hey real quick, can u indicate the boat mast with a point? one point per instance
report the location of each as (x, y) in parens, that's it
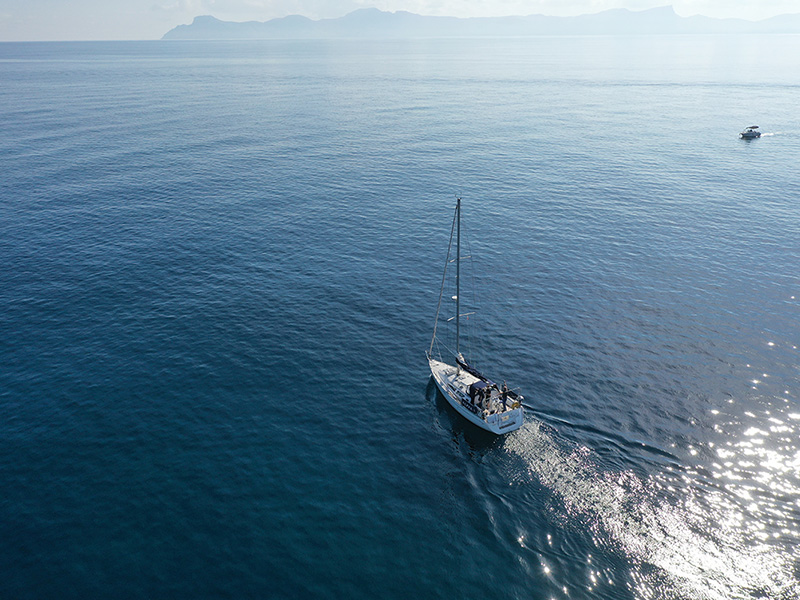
(458, 274)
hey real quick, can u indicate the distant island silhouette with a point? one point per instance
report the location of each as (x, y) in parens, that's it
(371, 23)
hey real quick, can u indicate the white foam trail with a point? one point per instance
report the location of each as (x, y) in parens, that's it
(698, 546)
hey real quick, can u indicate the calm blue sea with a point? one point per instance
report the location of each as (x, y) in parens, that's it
(219, 268)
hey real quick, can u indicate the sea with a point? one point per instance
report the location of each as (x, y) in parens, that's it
(220, 264)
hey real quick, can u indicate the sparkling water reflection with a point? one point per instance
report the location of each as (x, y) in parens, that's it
(686, 535)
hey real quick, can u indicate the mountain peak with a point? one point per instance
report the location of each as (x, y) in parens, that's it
(205, 20)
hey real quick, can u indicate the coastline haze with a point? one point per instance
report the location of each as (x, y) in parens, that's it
(91, 20)
(375, 24)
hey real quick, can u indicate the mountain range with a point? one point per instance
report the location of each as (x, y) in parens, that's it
(371, 23)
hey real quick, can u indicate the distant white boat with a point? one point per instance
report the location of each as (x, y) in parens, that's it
(473, 395)
(750, 133)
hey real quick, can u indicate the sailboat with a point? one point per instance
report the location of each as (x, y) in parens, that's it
(473, 395)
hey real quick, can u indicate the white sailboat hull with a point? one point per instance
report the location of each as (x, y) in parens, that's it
(454, 382)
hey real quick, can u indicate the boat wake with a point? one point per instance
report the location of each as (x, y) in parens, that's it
(684, 538)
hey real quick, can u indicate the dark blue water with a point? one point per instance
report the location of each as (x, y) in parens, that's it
(220, 267)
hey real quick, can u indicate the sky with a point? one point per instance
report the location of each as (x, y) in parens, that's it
(56, 20)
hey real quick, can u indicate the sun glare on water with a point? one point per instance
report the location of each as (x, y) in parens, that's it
(687, 534)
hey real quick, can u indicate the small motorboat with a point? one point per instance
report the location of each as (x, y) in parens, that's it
(750, 133)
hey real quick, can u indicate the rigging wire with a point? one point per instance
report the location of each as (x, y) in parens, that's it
(472, 344)
(444, 275)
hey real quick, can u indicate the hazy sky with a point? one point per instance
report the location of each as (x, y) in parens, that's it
(36, 20)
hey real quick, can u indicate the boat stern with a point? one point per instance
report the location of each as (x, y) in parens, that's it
(503, 422)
